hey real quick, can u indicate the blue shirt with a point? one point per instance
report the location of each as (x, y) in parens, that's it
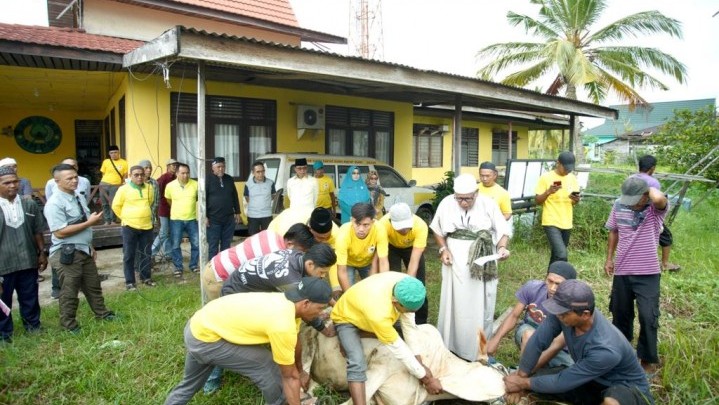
(83, 188)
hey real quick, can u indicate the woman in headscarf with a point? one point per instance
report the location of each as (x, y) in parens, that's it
(467, 226)
(352, 191)
(376, 192)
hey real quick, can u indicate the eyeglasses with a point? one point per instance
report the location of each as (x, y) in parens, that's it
(464, 199)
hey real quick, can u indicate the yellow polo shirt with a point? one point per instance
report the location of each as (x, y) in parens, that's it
(109, 174)
(416, 237)
(557, 209)
(184, 200)
(356, 252)
(271, 320)
(498, 194)
(326, 186)
(368, 306)
(134, 206)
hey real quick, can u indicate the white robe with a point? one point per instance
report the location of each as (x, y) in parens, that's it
(466, 304)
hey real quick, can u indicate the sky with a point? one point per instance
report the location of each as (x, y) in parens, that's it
(445, 35)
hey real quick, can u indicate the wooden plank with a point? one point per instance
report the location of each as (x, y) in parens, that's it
(165, 46)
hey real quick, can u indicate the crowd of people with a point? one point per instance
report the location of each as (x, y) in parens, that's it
(350, 280)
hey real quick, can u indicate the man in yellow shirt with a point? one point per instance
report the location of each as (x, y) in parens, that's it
(374, 305)
(221, 335)
(406, 241)
(181, 195)
(326, 196)
(490, 188)
(133, 205)
(361, 246)
(114, 172)
(557, 192)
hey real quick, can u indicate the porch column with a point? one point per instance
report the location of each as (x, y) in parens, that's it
(201, 200)
(457, 136)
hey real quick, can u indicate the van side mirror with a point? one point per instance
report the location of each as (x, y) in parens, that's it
(412, 183)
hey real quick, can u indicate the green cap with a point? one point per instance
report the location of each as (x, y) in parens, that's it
(410, 292)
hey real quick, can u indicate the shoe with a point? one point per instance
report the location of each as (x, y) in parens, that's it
(149, 283)
(55, 294)
(194, 269)
(103, 277)
(75, 331)
(110, 316)
(177, 273)
(130, 287)
(35, 330)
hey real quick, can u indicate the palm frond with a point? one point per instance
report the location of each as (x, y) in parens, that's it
(573, 64)
(503, 62)
(525, 76)
(648, 57)
(508, 48)
(531, 25)
(596, 90)
(647, 22)
(623, 91)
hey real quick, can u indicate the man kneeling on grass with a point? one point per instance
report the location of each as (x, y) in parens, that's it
(605, 370)
(220, 335)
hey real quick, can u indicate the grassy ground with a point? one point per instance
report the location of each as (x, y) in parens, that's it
(139, 358)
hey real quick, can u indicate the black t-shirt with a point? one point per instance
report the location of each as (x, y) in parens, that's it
(276, 271)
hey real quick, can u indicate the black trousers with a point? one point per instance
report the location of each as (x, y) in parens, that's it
(645, 291)
(396, 257)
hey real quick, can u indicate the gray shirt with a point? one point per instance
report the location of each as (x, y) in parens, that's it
(61, 210)
(83, 188)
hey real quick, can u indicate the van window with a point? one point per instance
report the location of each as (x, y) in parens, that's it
(329, 172)
(343, 173)
(389, 178)
(272, 167)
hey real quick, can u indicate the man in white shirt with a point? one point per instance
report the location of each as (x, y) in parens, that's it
(302, 190)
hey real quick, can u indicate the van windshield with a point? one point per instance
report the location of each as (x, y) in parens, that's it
(272, 167)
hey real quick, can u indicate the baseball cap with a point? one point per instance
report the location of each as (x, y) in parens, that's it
(318, 164)
(401, 216)
(633, 189)
(571, 295)
(563, 269)
(321, 220)
(170, 162)
(465, 184)
(488, 165)
(7, 162)
(218, 159)
(310, 288)
(410, 292)
(566, 158)
(301, 162)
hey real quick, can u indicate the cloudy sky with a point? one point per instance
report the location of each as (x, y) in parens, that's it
(445, 35)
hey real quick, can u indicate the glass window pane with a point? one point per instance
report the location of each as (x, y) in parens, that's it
(187, 145)
(337, 142)
(382, 146)
(260, 141)
(388, 177)
(227, 145)
(360, 143)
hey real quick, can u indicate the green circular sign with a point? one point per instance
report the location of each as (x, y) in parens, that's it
(38, 134)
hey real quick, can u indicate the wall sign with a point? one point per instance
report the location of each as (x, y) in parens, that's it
(38, 134)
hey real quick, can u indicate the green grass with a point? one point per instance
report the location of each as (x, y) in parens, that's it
(55, 367)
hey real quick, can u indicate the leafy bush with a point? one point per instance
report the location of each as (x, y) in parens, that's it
(445, 188)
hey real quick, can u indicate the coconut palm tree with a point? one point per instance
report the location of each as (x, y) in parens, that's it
(573, 56)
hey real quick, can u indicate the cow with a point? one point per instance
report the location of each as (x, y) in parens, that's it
(388, 380)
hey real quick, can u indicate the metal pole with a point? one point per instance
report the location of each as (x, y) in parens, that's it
(457, 136)
(509, 147)
(201, 203)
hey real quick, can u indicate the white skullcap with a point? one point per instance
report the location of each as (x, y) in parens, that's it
(465, 184)
(7, 162)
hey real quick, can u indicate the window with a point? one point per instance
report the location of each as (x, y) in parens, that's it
(500, 147)
(389, 178)
(238, 129)
(426, 146)
(355, 132)
(470, 147)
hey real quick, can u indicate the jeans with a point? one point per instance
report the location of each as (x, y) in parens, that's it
(177, 228)
(25, 283)
(396, 257)
(163, 238)
(134, 241)
(561, 359)
(219, 236)
(558, 241)
(110, 190)
(645, 290)
(351, 342)
(363, 272)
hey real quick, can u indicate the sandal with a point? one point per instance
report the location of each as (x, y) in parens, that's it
(149, 282)
(671, 267)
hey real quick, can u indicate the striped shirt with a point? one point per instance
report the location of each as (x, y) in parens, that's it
(638, 238)
(260, 244)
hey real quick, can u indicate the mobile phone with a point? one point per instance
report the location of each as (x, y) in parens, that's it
(558, 183)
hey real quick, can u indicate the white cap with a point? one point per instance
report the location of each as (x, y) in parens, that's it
(465, 184)
(401, 216)
(8, 162)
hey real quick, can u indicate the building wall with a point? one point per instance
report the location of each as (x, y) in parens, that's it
(127, 21)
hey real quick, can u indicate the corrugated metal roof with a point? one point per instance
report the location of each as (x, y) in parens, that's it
(66, 38)
(646, 119)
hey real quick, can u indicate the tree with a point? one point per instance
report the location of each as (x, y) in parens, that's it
(686, 138)
(575, 57)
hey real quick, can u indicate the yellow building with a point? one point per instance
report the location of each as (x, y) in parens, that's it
(131, 77)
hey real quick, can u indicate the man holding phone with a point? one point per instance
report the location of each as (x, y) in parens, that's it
(557, 192)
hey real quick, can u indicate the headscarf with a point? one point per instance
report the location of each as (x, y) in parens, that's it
(376, 190)
(351, 193)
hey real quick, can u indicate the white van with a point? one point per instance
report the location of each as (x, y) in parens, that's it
(280, 167)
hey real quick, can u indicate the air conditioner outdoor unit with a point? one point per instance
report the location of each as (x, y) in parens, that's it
(310, 117)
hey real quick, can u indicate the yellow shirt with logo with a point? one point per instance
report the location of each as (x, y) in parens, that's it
(109, 174)
(368, 306)
(416, 237)
(498, 194)
(184, 200)
(356, 252)
(557, 209)
(271, 320)
(134, 206)
(326, 186)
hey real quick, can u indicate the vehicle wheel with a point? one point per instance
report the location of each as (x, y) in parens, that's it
(426, 213)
